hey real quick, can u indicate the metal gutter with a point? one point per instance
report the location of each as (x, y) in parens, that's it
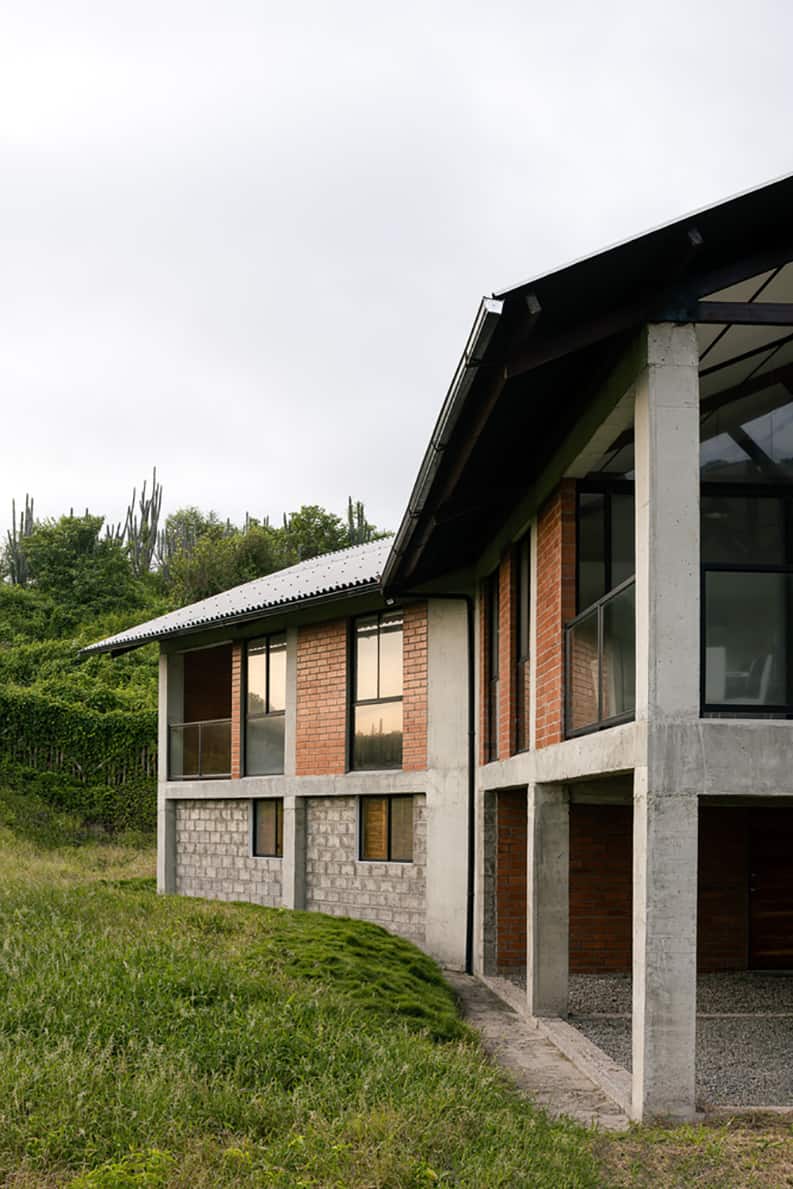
(485, 323)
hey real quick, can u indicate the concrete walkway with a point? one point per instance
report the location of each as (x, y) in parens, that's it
(535, 1065)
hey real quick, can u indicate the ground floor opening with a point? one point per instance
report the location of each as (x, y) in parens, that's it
(744, 995)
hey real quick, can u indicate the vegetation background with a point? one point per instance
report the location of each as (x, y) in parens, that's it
(81, 732)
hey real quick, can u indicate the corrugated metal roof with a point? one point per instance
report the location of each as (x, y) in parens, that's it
(332, 573)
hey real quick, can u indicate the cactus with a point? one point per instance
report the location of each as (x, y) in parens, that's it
(14, 551)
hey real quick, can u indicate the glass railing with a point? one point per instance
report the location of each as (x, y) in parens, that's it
(600, 662)
(199, 750)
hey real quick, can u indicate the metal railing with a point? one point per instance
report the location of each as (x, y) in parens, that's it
(199, 750)
(600, 663)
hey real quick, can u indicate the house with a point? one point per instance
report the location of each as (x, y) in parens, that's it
(547, 728)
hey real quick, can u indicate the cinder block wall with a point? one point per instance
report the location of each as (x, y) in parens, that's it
(391, 894)
(213, 854)
(555, 605)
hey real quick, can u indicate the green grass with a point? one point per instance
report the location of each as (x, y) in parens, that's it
(151, 1041)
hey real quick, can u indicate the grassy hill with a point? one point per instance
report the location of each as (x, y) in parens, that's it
(158, 1041)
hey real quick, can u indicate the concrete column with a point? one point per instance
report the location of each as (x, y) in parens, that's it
(664, 951)
(667, 526)
(547, 900)
(667, 695)
(447, 781)
(290, 722)
(166, 844)
(170, 709)
(293, 864)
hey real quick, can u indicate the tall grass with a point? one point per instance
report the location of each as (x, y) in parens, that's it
(163, 1041)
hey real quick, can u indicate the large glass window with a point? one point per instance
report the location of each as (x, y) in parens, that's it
(266, 705)
(605, 554)
(377, 711)
(746, 467)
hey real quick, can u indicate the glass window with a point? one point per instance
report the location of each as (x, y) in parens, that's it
(377, 713)
(387, 829)
(748, 437)
(591, 547)
(742, 530)
(266, 703)
(746, 638)
(606, 553)
(268, 827)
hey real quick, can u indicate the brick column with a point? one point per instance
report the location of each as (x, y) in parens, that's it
(414, 705)
(507, 656)
(555, 605)
(236, 711)
(321, 683)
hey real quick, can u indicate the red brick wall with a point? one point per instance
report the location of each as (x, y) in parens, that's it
(511, 856)
(321, 729)
(601, 883)
(722, 904)
(555, 605)
(507, 657)
(236, 711)
(414, 707)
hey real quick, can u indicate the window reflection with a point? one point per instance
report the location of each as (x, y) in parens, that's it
(266, 703)
(377, 716)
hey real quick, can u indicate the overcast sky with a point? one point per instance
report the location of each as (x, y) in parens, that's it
(245, 241)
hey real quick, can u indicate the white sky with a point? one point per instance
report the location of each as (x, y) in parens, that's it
(246, 241)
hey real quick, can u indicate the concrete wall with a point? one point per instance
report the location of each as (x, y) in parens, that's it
(338, 883)
(213, 854)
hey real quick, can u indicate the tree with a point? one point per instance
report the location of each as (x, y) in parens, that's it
(86, 573)
(311, 531)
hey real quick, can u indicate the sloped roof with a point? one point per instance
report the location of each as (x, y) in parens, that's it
(330, 574)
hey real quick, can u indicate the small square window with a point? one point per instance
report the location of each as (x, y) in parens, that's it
(387, 829)
(268, 828)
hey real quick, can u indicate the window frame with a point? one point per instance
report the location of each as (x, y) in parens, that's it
(256, 802)
(608, 488)
(247, 716)
(389, 798)
(354, 702)
(784, 493)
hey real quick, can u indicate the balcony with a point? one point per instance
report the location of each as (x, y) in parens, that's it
(600, 663)
(199, 750)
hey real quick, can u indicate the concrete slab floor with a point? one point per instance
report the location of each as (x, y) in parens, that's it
(744, 1033)
(535, 1065)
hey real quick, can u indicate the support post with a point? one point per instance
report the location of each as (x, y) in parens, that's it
(547, 900)
(293, 864)
(667, 694)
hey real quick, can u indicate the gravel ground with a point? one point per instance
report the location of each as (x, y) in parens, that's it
(742, 991)
(740, 1061)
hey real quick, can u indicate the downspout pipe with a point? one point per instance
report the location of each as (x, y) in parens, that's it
(471, 758)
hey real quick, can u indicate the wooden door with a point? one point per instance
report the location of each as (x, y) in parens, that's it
(771, 889)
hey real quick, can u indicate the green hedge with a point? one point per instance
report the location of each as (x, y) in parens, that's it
(101, 765)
